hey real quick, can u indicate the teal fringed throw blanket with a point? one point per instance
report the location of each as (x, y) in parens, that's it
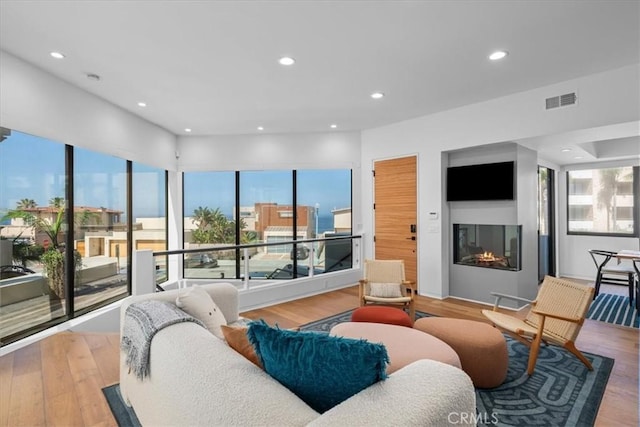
(142, 320)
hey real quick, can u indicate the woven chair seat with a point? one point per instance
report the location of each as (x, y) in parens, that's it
(397, 300)
(556, 316)
(621, 268)
(521, 327)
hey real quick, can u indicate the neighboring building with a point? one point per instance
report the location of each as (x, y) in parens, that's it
(93, 219)
(273, 215)
(588, 213)
(341, 220)
(102, 234)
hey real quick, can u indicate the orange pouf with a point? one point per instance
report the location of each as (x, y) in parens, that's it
(481, 347)
(381, 314)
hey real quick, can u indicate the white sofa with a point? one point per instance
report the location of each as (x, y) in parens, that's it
(197, 379)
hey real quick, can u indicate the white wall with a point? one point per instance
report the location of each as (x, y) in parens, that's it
(40, 104)
(604, 98)
(269, 151)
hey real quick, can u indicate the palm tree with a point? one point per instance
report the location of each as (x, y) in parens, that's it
(607, 193)
(213, 226)
(26, 204)
(51, 229)
(56, 202)
(201, 217)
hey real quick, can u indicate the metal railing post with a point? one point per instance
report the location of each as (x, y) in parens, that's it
(312, 263)
(245, 254)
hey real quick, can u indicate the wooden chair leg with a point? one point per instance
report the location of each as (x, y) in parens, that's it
(412, 312)
(569, 345)
(533, 354)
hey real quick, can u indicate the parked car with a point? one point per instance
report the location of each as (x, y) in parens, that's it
(200, 261)
(9, 271)
(286, 272)
(302, 252)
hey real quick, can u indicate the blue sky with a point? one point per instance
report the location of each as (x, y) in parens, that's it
(33, 168)
(329, 188)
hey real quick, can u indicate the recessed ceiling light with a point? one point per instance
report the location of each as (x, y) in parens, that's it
(566, 150)
(142, 104)
(57, 55)
(333, 126)
(286, 60)
(187, 130)
(377, 95)
(577, 157)
(260, 128)
(498, 54)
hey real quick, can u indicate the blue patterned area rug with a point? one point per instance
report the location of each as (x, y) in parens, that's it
(561, 391)
(124, 415)
(614, 309)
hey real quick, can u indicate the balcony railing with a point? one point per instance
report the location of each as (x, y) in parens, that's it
(261, 263)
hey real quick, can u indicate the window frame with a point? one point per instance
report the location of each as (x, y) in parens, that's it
(636, 206)
(71, 312)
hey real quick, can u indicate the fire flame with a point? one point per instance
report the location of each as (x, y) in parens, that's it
(487, 256)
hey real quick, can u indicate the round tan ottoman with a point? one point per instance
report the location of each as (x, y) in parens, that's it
(481, 347)
(404, 345)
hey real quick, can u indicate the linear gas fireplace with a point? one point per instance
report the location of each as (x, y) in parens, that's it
(488, 246)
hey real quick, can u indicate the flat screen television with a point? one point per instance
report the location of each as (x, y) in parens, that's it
(488, 181)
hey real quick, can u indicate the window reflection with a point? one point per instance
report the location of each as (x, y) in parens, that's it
(100, 227)
(32, 231)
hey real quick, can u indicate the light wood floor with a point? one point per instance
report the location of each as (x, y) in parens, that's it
(58, 381)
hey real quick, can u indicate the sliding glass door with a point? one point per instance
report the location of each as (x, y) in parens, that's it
(546, 224)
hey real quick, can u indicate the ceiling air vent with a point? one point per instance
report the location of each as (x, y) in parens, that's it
(568, 99)
(561, 100)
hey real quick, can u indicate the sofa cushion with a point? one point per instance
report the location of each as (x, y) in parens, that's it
(321, 370)
(238, 340)
(197, 302)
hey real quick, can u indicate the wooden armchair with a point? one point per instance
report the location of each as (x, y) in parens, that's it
(384, 283)
(556, 317)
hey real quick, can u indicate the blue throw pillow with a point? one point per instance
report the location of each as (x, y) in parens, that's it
(321, 370)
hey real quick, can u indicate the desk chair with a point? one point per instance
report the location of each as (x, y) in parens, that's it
(610, 273)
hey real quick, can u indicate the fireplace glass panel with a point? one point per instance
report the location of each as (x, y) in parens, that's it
(488, 246)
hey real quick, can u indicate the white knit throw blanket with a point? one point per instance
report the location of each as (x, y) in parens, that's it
(142, 320)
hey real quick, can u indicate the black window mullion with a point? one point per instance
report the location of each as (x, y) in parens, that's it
(238, 257)
(69, 253)
(294, 198)
(129, 226)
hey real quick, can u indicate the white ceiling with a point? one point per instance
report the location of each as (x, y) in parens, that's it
(212, 65)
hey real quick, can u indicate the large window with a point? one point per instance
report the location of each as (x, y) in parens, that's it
(266, 207)
(603, 201)
(328, 193)
(32, 232)
(100, 227)
(66, 229)
(209, 203)
(149, 205)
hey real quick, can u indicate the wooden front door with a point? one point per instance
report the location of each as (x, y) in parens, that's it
(395, 212)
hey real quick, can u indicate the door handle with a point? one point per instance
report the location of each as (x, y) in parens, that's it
(411, 238)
